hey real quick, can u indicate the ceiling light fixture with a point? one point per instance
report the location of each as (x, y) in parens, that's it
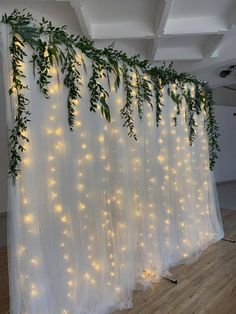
(228, 71)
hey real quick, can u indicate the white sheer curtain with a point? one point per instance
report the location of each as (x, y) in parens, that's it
(95, 214)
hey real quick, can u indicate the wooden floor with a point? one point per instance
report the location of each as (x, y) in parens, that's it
(208, 286)
(4, 295)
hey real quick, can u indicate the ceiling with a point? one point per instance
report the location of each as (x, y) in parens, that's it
(199, 36)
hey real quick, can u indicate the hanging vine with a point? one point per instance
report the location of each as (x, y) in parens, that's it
(54, 45)
(212, 128)
(127, 110)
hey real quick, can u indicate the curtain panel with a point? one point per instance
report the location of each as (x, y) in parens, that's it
(95, 214)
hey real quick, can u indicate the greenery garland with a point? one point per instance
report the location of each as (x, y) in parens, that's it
(54, 45)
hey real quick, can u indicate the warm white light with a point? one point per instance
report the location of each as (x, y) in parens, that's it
(26, 161)
(21, 250)
(53, 195)
(50, 158)
(69, 270)
(34, 261)
(59, 146)
(58, 208)
(119, 100)
(49, 131)
(87, 276)
(28, 219)
(25, 201)
(34, 291)
(51, 182)
(88, 157)
(82, 206)
(64, 219)
(101, 139)
(81, 187)
(160, 158)
(59, 131)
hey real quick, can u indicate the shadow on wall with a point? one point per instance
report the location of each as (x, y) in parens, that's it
(227, 195)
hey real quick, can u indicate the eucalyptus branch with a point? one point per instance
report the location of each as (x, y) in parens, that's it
(157, 87)
(139, 95)
(191, 111)
(42, 63)
(143, 91)
(55, 45)
(97, 93)
(17, 135)
(72, 81)
(212, 128)
(177, 98)
(127, 110)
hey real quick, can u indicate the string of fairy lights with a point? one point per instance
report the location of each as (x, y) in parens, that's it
(153, 198)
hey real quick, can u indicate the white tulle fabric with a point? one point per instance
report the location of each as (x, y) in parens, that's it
(96, 214)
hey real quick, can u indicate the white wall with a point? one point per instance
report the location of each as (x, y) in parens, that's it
(225, 168)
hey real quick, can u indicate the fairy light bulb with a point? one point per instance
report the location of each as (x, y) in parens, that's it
(87, 276)
(70, 270)
(101, 139)
(34, 290)
(119, 100)
(160, 158)
(28, 219)
(81, 187)
(52, 71)
(26, 161)
(50, 158)
(58, 131)
(53, 195)
(51, 182)
(21, 250)
(34, 261)
(70, 283)
(58, 208)
(82, 206)
(25, 201)
(64, 219)
(88, 157)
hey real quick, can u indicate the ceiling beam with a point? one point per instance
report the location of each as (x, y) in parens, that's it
(212, 46)
(82, 16)
(160, 26)
(165, 9)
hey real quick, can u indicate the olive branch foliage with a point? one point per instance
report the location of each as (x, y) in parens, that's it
(55, 46)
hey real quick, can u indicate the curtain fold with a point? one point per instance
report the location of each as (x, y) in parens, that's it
(96, 214)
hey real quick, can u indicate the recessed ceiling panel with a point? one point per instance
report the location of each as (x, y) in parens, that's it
(119, 11)
(201, 8)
